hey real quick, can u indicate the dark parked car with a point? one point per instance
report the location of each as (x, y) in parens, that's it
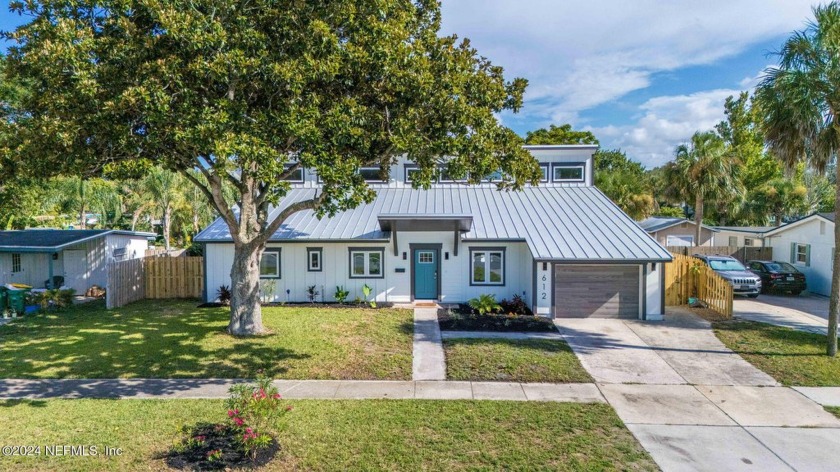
(743, 281)
(779, 276)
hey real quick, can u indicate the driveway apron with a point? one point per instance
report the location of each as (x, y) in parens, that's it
(696, 405)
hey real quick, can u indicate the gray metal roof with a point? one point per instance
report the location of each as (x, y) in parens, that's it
(658, 223)
(558, 223)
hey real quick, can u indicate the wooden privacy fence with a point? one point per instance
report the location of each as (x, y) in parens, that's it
(126, 283)
(689, 277)
(742, 253)
(154, 277)
(174, 277)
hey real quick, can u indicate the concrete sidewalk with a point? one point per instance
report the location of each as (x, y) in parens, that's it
(299, 389)
(694, 404)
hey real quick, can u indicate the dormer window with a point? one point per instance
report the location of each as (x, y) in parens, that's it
(446, 178)
(544, 169)
(296, 176)
(568, 172)
(371, 174)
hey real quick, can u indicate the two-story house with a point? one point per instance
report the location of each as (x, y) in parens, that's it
(562, 245)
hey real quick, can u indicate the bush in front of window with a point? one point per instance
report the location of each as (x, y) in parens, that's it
(341, 294)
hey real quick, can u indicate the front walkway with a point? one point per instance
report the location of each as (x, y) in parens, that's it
(696, 405)
(429, 361)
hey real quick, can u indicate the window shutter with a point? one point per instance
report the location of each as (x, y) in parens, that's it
(792, 253)
(808, 255)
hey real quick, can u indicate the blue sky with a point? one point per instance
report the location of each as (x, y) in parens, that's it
(643, 75)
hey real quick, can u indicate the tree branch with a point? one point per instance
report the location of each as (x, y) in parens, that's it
(311, 204)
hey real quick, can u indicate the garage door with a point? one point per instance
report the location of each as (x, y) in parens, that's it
(596, 291)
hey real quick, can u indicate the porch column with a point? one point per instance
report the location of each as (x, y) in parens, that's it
(50, 257)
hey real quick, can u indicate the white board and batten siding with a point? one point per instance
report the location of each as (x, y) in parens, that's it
(817, 235)
(394, 287)
(87, 261)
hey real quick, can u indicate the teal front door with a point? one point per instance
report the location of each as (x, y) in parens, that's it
(426, 274)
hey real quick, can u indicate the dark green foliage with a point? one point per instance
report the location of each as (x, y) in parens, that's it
(563, 134)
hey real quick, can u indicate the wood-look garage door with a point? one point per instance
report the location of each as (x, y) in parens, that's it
(605, 291)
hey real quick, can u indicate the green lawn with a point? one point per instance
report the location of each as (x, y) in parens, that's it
(791, 357)
(526, 360)
(340, 435)
(162, 339)
(834, 410)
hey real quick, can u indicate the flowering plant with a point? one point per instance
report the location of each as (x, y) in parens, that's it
(255, 410)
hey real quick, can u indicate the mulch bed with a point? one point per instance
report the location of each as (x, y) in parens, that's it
(218, 437)
(463, 318)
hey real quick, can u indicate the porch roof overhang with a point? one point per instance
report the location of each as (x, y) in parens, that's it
(422, 222)
(425, 222)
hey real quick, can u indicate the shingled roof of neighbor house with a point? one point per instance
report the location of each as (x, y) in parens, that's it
(54, 239)
(557, 223)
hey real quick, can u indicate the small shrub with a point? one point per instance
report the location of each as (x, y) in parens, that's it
(515, 306)
(53, 299)
(485, 304)
(224, 295)
(311, 293)
(246, 440)
(341, 294)
(366, 291)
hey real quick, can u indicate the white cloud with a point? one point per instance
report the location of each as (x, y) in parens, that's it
(578, 54)
(666, 122)
(581, 54)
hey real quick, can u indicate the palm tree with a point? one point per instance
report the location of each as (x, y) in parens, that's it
(702, 171)
(799, 101)
(166, 190)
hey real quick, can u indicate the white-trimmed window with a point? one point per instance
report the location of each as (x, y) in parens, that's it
(314, 259)
(568, 172)
(16, 265)
(748, 242)
(544, 168)
(296, 176)
(487, 266)
(446, 178)
(367, 263)
(410, 170)
(120, 253)
(371, 174)
(733, 240)
(679, 240)
(801, 254)
(270, 264)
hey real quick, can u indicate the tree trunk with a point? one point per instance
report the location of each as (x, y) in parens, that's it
(778, 217)
(245, 310)
(135, 217)
(82, 218)
(698, 219)
(834, 303)
(167, 222)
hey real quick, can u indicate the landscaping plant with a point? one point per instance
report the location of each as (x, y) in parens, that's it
(485, 304)
(366, 291)
(311, 293)
(515, 306)
(247, 439)
(223, 294)
(341, 294)
(53, 299)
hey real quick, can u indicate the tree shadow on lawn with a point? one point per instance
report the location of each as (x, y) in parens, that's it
(144, 340)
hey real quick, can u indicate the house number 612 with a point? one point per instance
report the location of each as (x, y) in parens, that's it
(543, 295)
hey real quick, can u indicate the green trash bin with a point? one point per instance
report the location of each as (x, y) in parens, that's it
(17, 300)
(3, 300)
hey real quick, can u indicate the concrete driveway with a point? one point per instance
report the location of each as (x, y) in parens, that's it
(805, 312)
(694, 404)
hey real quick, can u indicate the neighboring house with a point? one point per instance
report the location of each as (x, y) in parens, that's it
(37, 256)
(808, 244)
(670, 231)
(563, 246)
(749, 236)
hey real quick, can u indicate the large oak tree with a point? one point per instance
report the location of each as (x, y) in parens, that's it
(249, 91)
